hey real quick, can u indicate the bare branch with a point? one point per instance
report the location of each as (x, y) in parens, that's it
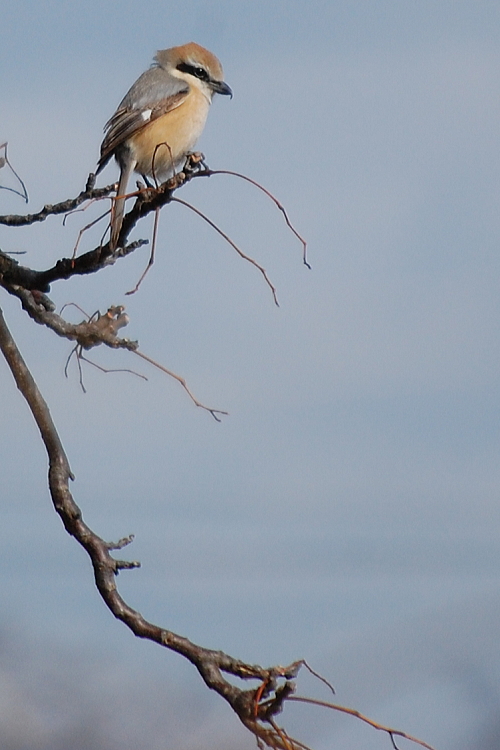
(80, 357)
(209, 172)
(210, 664)
(233, 245)
(255, 707)
(288, 742)
(148, 199)
(121, 543)
(213, 412)
(352, 712)
(88, 334)
(90, 192)
(319, 677)
(4, 160)
(151, 257)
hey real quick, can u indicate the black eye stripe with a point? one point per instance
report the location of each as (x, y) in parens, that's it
(194, 70)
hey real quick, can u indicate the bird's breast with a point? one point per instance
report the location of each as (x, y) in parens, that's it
(161, 146)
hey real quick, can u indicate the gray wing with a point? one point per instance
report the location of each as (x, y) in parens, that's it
(153, 94)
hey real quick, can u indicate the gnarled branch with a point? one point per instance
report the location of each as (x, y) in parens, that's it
(210, 664)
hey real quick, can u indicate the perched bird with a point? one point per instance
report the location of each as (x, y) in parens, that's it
(160, 119)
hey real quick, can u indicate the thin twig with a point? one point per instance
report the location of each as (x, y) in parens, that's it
(285, 739)
(152, 255)
(17, 220)
(289, 742)
(86, 228)
(153, 163)
(5, 160)
(352, 712)
(181, 380)
(77, 351)
(233, 245)
(209, 172)
(318, 676)
(112, 369)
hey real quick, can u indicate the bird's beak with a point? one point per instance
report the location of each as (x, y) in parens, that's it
(219, 87)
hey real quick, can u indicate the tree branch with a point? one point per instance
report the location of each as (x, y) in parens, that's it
(253, 706)
(147, 200)
(90, 193)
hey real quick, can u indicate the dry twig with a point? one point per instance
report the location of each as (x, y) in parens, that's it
(207, 172)
(233, 245)
(4, 161)
(375, 724)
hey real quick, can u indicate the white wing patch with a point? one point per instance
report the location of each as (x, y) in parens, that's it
(146, 114)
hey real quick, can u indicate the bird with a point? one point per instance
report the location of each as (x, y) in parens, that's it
(159, 120)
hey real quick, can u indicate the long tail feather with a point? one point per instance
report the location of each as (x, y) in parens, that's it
(119, 203)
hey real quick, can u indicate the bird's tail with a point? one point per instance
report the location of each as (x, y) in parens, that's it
(118, 208)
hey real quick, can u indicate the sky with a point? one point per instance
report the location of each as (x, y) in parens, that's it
(347, 510)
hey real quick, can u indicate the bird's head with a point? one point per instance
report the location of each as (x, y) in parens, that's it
(195, 65)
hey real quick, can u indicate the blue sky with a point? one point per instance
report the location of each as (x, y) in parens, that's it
(347, 509)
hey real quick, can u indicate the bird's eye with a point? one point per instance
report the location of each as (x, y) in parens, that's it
(201, 73)
(194, 70)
